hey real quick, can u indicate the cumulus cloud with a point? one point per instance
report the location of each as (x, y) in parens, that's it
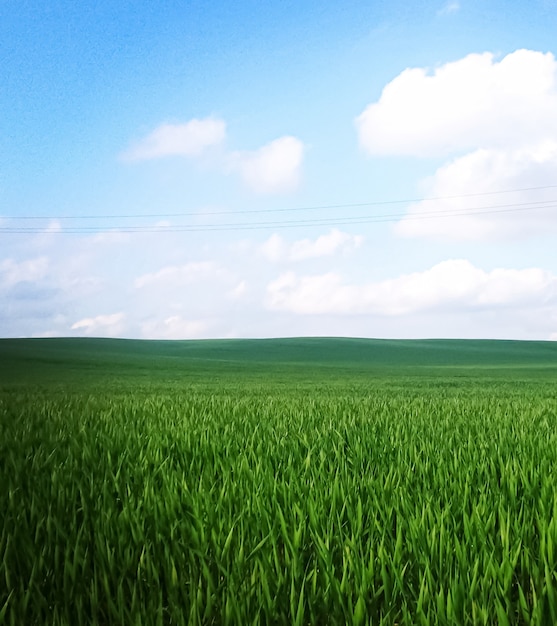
(498, 120)
(529, 210)
(453, 284)
(189, 139)
(470, 103)
(101, 325)
(178, 274)
(325, 245)
(14, 272)
(174, 327)
(274, 168)
(275, 248)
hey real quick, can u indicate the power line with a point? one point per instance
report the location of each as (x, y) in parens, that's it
(360, 219)
(320, 221)
(279, 210)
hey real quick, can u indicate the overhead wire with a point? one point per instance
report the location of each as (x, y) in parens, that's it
(307, 222)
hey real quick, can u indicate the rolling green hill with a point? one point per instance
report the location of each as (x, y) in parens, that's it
(284, 481)
(96, 360)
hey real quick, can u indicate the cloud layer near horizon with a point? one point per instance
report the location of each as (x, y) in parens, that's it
(220, 294)
(449, 284)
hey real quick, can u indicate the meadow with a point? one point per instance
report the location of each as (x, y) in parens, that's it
(294, 481)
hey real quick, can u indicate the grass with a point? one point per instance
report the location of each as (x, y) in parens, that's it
(278, 482)
(295, 360)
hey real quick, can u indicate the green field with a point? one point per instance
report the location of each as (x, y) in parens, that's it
(292, 481)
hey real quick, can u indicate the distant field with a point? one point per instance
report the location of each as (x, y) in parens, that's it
(293, 360)
(292, 481)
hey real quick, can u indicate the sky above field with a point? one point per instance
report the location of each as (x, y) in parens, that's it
(190, 169)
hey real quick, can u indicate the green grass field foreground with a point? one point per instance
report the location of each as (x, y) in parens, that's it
(293, 481)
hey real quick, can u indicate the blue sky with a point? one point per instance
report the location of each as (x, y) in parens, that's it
(259, 169)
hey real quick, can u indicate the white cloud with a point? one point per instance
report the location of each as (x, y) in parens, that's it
(275, 248)
(452, 284)
(54, 226)
(470, 103)
(176, 275)
(491, 216)
(325, 245)
(174, 327)
(452, 6)
(13, 272)
(189, 139)
(499, 120)
(274, 168)
(239, 290)
(101, 325)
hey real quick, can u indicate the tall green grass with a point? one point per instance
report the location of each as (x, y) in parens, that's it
(366, 501)
(293, 481)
